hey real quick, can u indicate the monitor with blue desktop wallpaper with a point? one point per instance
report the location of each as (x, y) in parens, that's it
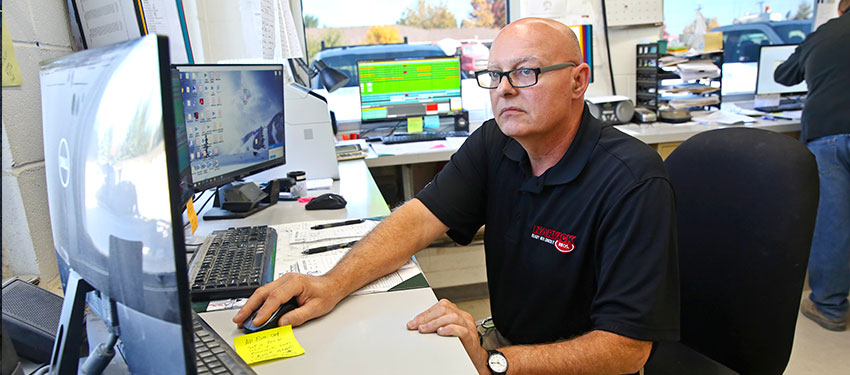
(398, 89)
(115, 202)
(234, 120)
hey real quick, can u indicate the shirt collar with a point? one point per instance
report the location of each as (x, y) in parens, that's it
(570, 165)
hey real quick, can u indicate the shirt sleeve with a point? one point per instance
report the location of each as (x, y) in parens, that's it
(637, 293)
(792, 71)
(457, 194)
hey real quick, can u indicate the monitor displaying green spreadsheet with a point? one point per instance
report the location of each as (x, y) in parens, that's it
(397, 89)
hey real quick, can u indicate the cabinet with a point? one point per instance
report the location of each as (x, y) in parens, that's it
(692, 82)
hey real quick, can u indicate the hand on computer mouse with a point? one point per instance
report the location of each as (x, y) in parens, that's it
(272, 322)
(317, 296)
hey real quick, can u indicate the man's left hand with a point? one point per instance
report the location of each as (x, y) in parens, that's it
(446, 319)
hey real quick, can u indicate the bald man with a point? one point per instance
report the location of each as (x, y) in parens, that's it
(580, 238)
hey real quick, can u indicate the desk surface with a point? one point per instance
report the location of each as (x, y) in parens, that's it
(364, 335)
(355, 185)
(653, 133)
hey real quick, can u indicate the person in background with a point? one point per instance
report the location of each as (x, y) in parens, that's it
(580, 237)
(823, 60)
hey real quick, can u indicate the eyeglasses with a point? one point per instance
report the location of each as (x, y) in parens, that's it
(518, 78)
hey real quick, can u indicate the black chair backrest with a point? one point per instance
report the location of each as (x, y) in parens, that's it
(746, 204)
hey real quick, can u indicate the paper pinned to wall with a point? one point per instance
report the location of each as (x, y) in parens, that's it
(290, 47)
(11, 71)
(267, 28)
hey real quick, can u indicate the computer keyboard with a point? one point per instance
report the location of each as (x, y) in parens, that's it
(782, 107)
(233, 263)
(212, 354)
(420, 137)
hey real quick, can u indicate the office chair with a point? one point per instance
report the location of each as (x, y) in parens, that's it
(746, 204)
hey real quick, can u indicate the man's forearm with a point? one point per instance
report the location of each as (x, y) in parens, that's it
(407, 230)
(597, 352)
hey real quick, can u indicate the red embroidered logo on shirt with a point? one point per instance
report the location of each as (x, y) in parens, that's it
(563, 242)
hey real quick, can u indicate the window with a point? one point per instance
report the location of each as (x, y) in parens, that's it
(342, 32)
(746, 26)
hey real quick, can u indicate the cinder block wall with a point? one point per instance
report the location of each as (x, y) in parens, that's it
(40, 31)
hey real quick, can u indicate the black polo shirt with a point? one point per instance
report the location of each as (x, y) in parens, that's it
(588, 245)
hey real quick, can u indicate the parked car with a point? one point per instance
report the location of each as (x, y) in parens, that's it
(741, 44)
(345, 59)
(741, 41)
(473, 57)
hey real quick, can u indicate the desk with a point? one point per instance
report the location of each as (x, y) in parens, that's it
(654, 134)
(364, 333)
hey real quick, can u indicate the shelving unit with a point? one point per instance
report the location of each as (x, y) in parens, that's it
(656, 86)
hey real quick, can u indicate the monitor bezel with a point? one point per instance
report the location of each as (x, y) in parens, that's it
(257, 168)
(403, 118)
(758, 71)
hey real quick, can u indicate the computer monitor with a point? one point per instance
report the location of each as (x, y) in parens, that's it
(585, 43)
(115, 202)
(234, 120)
(771, 57)
(398, 89)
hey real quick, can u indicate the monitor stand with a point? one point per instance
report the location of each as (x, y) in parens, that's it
(69, 334)
(239, 200)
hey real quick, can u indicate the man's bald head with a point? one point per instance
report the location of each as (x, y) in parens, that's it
(551, 36)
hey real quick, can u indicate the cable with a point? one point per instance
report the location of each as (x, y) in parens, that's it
(41, 370)
(608, 47)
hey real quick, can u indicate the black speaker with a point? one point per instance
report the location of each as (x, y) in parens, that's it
(462, 121)
(31, 318)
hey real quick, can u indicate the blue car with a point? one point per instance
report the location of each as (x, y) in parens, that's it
(741, 41)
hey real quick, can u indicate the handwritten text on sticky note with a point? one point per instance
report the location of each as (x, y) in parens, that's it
(269, 344)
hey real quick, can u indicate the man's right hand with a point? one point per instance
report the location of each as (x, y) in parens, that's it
(316, 297)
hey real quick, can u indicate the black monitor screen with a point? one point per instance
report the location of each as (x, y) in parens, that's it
(112, 193)
(397, 89)
(183, 161)
(234, 120)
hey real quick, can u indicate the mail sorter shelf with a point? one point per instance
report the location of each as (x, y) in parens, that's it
(658, 85)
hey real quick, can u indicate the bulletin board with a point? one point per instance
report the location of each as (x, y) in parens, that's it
(634, 12)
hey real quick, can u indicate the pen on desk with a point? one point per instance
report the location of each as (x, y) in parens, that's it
(339, 224)
(768, 118)
(322, 249)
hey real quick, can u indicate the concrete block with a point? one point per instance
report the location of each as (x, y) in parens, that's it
(18, 252)
(52, 25)
(22, 107)
(19, 19)
(33, 188)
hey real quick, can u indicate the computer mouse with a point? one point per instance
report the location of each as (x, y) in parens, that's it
(327, 201)
(249, 327)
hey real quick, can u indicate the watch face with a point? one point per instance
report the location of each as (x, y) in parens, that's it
(498, 363)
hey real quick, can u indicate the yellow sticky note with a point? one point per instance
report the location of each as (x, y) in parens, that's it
(262, 346)
(11, 72)
(414, 124)
(193, 216)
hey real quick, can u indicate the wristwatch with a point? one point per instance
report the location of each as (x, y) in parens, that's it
(497, 363)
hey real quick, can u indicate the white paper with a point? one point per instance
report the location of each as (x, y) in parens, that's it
(162, 17)
(107, 22)
(288, 257)
(335, 233)
(697, 69)
(766, 100)
(725, 118)
(267, 28)
(827, 10)
(290, 47)
(320, 184)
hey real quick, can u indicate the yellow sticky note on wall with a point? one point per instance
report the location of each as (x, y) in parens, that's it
(11, 72)
(414, 124)
(262, 346)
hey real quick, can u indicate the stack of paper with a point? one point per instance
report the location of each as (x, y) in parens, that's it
(698, 69)
(694, 102)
